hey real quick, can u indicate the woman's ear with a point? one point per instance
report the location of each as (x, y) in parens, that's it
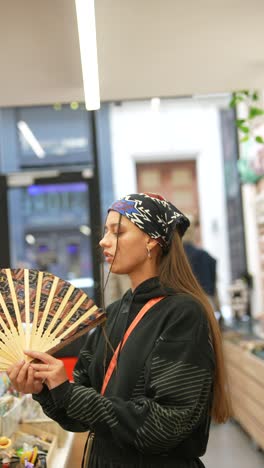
(153, 249)
(151, 243)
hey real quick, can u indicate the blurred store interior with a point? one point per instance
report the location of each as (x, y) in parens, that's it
(181, 114)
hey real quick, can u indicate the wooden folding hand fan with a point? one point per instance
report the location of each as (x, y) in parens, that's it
(42, 312)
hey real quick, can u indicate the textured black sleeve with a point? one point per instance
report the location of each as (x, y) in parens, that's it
(58, 414)
(46, 398)
(179, 379)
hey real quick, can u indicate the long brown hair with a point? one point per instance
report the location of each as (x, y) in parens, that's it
(175, 272)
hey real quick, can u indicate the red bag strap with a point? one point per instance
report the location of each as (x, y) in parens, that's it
(132, 326)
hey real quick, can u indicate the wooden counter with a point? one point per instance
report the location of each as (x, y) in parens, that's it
(246, 380)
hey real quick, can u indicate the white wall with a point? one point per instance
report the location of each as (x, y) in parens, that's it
(251, 199)
(178, 129)
(252, 246)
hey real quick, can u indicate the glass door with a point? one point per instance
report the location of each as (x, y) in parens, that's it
(49, 228)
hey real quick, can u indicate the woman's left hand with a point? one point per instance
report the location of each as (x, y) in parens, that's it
(50, 370)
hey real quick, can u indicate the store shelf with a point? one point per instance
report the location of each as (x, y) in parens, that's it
(57, 442)
(62, 454)
(64, 439)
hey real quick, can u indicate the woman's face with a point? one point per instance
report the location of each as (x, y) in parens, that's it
(130, 253)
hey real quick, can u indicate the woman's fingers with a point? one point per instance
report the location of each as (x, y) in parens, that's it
(37, 366)
(52, 372)
(48, 369)
(40, 375)
(22, 376)
(13, 371)
(42, 370)
(43, 357)
(31, 376)
(18, 375)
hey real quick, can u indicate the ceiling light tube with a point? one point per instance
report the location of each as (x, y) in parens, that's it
(31, 139)
(85, 12)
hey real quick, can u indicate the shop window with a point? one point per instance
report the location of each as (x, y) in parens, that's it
(50, 136)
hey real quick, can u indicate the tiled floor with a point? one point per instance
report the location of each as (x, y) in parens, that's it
(230, 447)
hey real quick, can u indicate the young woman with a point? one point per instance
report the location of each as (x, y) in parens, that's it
(151, 404)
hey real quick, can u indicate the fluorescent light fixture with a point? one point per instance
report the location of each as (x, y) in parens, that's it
(30, 239)
(155, 104)
(86, 230)
(31, 139)
(85, 12)
(82, 282)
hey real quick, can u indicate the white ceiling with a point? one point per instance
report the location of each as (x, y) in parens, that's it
(146, 48)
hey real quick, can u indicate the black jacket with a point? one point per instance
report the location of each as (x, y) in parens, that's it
(155, 411)
(203, 266)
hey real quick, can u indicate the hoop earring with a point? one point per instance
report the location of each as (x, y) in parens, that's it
(149, 252)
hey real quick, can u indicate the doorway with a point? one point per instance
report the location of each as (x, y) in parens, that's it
(175, 180)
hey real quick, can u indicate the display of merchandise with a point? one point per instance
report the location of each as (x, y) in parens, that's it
(42, 312)
(28, 447)
(4, 383)
(28, 438)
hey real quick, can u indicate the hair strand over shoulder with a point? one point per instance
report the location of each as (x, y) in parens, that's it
(176, 273)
